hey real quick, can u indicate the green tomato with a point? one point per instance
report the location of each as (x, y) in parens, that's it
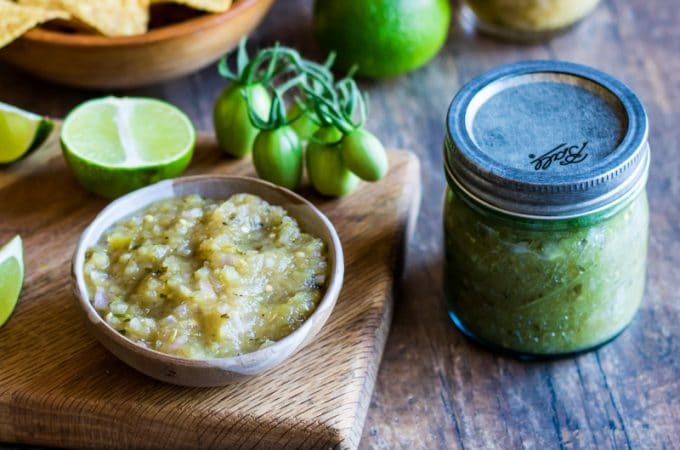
(235, 133)
(364, 155)
(304, 126)
(327, 172)
(277, 156)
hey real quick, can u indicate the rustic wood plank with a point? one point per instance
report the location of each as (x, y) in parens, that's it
(59, 387)
(434, 389)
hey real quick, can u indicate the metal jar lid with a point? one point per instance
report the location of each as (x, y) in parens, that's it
(547, 140)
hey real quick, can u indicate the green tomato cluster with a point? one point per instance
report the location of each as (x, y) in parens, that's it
(250, 117)
(336, 162)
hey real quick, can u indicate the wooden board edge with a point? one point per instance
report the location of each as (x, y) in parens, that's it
(398, 261)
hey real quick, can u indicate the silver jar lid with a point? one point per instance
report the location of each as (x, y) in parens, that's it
(547, 140)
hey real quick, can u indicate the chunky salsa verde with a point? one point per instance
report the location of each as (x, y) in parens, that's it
(202, 278)
(543, 290)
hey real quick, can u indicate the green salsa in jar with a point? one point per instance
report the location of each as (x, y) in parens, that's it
(545, 244)
(544, 288)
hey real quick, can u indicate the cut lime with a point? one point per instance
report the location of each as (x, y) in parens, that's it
(116, 145)
(11, 277)
(20, 132)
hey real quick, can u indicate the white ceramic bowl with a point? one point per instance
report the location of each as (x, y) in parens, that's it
(217, 371)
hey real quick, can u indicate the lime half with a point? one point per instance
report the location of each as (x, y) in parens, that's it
(11, 277)
(20, 132)
(116, 145)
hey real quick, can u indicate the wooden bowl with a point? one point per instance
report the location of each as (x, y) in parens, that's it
(101, 62)
(218, 371)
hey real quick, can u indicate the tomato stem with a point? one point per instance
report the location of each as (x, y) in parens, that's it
(281, 69)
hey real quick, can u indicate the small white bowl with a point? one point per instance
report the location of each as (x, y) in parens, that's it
(217, 371)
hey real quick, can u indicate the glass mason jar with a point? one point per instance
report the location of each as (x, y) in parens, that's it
(527, 19)
(545, 215)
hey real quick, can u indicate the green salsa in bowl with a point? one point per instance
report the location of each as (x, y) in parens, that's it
(199, 281)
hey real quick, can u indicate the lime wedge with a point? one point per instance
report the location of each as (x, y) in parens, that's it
(20, 132)
(116, 145)
(11, 277)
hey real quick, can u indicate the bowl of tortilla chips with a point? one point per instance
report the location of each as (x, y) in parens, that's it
(104, 44)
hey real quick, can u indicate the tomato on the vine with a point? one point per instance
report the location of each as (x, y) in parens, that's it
(302, 122)
(235, 132)
(327, 172)
(277, 156)
(364, 155)
(251, 114)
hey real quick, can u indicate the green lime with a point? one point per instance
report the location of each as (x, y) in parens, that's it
(11, 277)
(20, 132)
(116, 145)
(382, 37)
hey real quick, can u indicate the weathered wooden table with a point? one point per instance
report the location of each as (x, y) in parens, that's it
(435, 389)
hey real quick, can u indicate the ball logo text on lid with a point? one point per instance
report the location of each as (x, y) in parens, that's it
(563, 153)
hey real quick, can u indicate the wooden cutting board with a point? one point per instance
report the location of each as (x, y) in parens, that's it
(59, 387)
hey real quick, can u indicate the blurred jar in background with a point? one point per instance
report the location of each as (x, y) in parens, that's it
(527, 19)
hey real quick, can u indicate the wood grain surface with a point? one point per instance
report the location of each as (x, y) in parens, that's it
(435, 390)
(59, 387)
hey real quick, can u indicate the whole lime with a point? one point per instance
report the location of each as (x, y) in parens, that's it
(382, 37)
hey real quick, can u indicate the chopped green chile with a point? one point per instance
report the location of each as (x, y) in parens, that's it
(533, 289)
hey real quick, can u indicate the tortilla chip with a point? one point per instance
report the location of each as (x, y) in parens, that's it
(109, 17)
(203, 5)
(15, 19)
